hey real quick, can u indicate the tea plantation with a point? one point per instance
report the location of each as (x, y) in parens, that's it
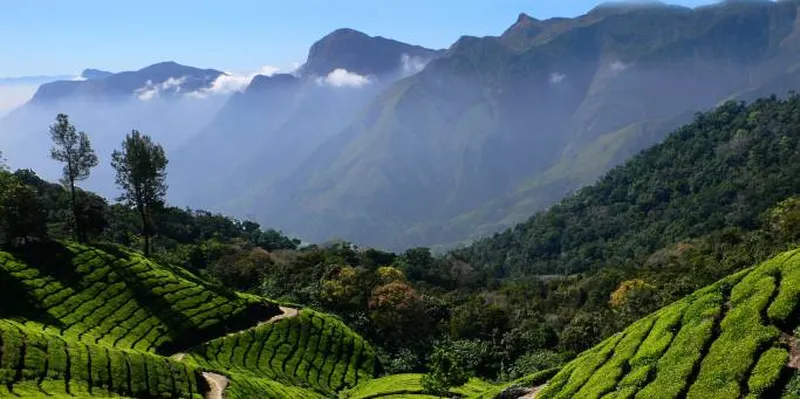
(78, 321)
(734, 339)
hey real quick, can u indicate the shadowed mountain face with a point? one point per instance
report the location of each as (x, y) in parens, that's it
(500, 127)
(264, 133)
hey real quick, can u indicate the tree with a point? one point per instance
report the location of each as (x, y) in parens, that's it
(141, 174)
(74, 150)
(22, 215)
(447, 370)
(398, 313)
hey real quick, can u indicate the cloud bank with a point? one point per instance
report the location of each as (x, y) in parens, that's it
(13, 96)
(151, 90)
(343, 78)
(230, 82)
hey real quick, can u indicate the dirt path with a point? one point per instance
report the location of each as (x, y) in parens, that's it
(533, 392)
(287, 313)
(794, 350)
(217, 382)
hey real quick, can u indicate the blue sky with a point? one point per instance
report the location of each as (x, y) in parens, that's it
(49, 37)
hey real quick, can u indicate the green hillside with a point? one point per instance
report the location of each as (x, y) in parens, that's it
(80, 321)
(733, 339)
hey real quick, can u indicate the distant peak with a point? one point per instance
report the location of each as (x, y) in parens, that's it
(90, 74)
(526, 20)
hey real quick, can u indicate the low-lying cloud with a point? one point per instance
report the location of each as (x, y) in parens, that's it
(343, 78)
(557, 77)
(618, 66)
(412, 65)
(14, 96)
(151, 90)
(230, 82)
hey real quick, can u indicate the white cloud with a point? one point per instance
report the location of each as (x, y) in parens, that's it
(343, 78)
(556, 77)
(78, 79)
(151, 90)
(230, 82)
(412, 65)
(618, 66)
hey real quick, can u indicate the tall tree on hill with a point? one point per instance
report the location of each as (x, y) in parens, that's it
(73, 149)
(141, 174)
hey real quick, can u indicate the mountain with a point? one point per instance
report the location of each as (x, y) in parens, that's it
(359, 53)
(157, 100)
(497, 128)
(92, 74)
(264, 133)
(740, 158)
(165, 78)
(735, 338)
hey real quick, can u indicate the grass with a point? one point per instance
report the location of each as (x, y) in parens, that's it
(102, 322)
(720, 342)
(409, 386)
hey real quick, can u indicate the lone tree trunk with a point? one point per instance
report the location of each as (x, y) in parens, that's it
(145, 230)
(76, 223)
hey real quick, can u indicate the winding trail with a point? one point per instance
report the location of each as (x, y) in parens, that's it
(533, 392)
(217, 382)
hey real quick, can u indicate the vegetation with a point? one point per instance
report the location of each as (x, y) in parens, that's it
(312, 350)
(589, 273)
(141, 174)
(74, 150)
(719, 342)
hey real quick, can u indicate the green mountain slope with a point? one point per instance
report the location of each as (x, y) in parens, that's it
(78, 321)
(721, 171)
(729, 340)
(489, 119)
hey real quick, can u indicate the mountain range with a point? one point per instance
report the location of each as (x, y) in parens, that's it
(394, 145)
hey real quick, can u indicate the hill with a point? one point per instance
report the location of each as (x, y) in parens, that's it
(495, 120)
(723, 170)
(733, 339)
(103, 321)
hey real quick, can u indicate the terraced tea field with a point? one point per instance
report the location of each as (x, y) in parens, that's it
(77, 321)
(311, 348)
(734, 339)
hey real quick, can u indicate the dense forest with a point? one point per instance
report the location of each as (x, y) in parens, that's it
(718, 195)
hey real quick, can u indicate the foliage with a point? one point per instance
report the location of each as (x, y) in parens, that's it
(448, 369)
(141, 175)
(73, 149)
(22, 216)
(710, 344)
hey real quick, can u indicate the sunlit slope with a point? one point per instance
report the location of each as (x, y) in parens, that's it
(79, 321)
(730, 340)
(312, 349)
(409, 386)
(119, 298)
(36, 363)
